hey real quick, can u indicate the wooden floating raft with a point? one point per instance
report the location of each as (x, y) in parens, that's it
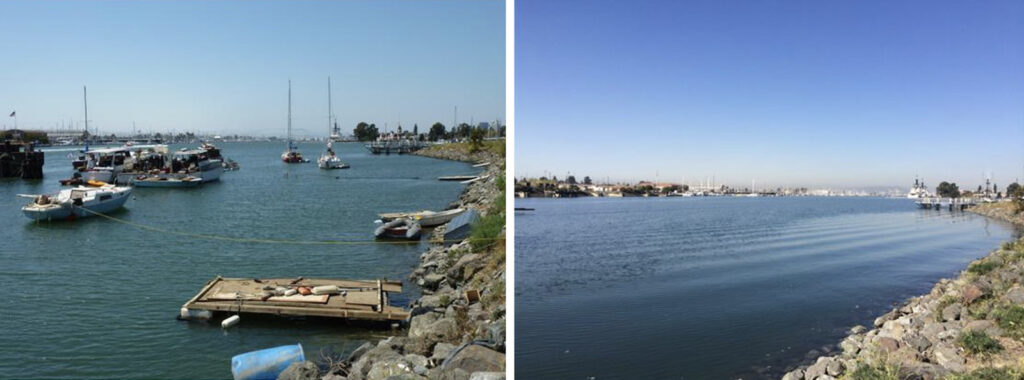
(456, 178)
(355, 300)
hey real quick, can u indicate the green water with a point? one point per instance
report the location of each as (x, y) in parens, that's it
(97, 298)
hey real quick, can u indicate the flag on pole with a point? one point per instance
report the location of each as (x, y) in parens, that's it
(12, 114)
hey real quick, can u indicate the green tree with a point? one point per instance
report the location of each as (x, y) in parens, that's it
(571, 180)
(1013, 190)
(437, 131)
(476, 140)
(586, 180)
(947, 190)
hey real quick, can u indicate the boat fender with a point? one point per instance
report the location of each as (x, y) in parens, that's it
(290, 292)
(230, 321)
(326, 289)
(194, 315)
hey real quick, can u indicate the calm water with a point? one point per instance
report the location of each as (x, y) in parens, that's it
(95, 298)
(715, 288)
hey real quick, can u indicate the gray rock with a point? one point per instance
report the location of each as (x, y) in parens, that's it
(385, 369)
(431, 301)
(931, 330)
(921, 371)
(1015, 295)
(416, 360)
(306, 370)
(989, 327)
(948, 357)
(834, 368)
(796, 374)
(951, 312)
(362, 349)
(850, 346)
(432, 280)
(420, 370)
(917, 342)
(450, 374)
(428, 326)
(858, 329)
(487, 376)
(333, 376)
(441, 351)
(474, 358)
(887, 343)
(818, 368)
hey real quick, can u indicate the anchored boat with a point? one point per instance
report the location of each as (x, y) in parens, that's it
(425, 218)
(291, 155)
(328, 160)
(399, 229)
(79, 202)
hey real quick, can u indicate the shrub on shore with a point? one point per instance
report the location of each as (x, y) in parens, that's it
(983, 267)
(1011, 320)
(989, 373)
(487, 231)
(875, 372)
(978, 343)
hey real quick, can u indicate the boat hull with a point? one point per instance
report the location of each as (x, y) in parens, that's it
(68, 211)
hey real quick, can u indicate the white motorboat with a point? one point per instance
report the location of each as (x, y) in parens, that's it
(167, 181)
(194, 163)
(425, 218)
(328, 160)
(79, 202)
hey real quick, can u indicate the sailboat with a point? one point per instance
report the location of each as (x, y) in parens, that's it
(292, 155)
(328, 160)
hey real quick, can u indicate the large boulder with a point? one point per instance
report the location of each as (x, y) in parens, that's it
(948, 357)
(474, 358)
(796, 374)
(974, 292)
(819, 368)
(429, 326)
(987, 326)
(951, 312)
(441, 351)
(306, 370)
(1015, 295)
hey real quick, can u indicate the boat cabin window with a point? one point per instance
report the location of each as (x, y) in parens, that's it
(105, 197)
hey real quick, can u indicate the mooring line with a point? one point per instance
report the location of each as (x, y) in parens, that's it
(263, 241)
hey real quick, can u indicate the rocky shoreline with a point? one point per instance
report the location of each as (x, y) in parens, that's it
(970, 327)
(457, 329)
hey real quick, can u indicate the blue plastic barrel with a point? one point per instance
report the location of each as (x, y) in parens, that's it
(266, 364)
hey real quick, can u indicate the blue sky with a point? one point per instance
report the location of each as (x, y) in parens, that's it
(224, 66)
(798, 93)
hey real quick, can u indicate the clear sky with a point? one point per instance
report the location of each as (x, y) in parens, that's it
(798, 93)
(223, 67)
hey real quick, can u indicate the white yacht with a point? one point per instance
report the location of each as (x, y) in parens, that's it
(919, 190)
(329, 160)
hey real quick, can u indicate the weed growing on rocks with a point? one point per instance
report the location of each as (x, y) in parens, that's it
(1011, 320)
(982, 268)
(990, 374)
(978, 343)
(875, 372)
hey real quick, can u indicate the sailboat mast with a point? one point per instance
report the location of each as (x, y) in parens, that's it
(330, 113)
(289, 115)
(85, 101)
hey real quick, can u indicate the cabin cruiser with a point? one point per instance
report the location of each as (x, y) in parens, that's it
(424, 218)
(195, 163)
(328, 160)
(102, 164)
(78, 202)
(919, 190)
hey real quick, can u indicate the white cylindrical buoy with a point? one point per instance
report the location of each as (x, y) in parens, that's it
(195, 315)
(290, 292)
(326, 289)
(230, 321)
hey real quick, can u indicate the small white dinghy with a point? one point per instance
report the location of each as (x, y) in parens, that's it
(398, 229)
(425, 218)
(79, 202)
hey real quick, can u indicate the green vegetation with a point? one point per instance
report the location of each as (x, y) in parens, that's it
(366, 132)
(978, 343)
(948, 190)
(875, 372)
(476, 140)
(1011, 320)
(487, 231)
(982, 267)
(989, 374)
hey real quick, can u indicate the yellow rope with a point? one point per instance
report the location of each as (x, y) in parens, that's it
(263, 241)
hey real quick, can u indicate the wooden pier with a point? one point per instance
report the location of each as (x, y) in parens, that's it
(396, 146)
(949, 203)
(20, 160)
(357, 300)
